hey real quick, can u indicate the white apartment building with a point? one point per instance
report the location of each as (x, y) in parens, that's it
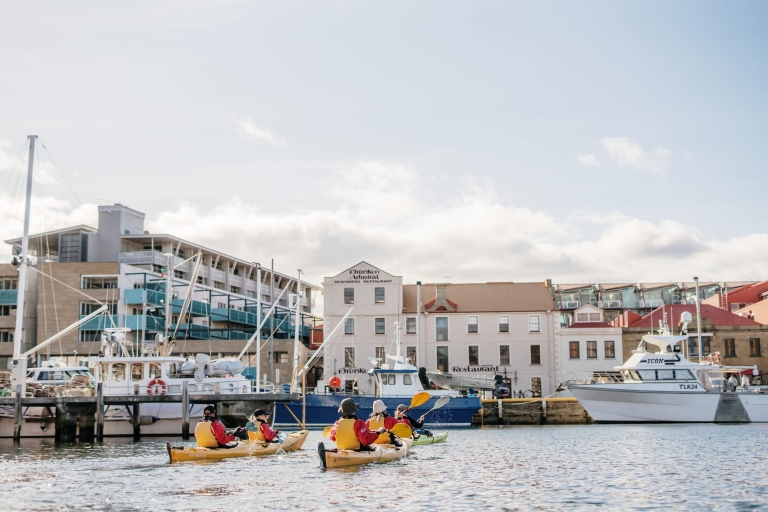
(588, 345)
(479, 329)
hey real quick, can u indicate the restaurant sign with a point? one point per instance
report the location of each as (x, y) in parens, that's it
(363, 274)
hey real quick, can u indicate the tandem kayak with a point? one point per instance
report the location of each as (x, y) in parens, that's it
(335, 458)
(241, 449)
(430, 439)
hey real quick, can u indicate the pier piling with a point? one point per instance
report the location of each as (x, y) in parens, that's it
(100, 412)
(185, 410)
(17, 414)
(136, 421)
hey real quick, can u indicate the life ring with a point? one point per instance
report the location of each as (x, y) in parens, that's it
(156, 387)
(335, 382)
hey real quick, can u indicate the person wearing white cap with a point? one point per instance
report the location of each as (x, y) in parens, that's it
(380, 419)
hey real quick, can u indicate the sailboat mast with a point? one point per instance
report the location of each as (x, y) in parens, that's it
(22, 286)
(297, 322)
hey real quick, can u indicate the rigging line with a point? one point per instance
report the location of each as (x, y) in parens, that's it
(14, 170)
(68, 286)
(11, 203)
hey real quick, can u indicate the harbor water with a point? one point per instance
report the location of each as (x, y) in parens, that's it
(628, 467)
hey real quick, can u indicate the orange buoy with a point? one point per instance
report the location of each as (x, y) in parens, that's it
(335, 382)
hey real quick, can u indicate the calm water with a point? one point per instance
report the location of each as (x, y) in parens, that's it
(717, 467)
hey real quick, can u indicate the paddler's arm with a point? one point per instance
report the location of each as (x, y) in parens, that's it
(364, 434)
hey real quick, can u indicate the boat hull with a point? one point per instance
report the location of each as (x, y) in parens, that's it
(334, 458)
(610, 405)
(323, 410)
(295, 440)
(424, 439)
(243, 449)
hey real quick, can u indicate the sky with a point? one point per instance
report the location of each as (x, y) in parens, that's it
(578, 141)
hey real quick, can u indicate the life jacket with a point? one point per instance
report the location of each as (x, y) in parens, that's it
(375, 423)
(204, 435)
(346, 438)
(257, 435)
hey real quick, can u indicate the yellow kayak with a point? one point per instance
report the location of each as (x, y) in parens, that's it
(335, 458)
(295, 440)
(242, 449)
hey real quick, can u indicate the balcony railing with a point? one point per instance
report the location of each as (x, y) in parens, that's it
(196, 307)
(102, 322)
(135, 322)
(233, 315)
(9, 296)
(137, 296)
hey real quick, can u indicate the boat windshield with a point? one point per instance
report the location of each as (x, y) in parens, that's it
(663, 375)
(710, 379)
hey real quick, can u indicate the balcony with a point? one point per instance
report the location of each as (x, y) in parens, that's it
(101, 322)
(137, 296)
(196, 307)
(233, 315)
(135, 323)
(9, 296)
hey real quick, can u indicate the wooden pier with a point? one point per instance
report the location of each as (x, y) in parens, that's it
(87, 412)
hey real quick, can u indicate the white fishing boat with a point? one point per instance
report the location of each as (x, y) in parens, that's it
(462, 382)
(660, 384)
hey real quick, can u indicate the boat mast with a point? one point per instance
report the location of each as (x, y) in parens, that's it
(22, 286)
(258, 326)
(168, 284)
(698, 319)
(297, 322)
(417, 362)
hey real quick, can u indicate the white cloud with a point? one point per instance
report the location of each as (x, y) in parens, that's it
(248, 130)
(588, 160)
(385, 214)
(628, 153)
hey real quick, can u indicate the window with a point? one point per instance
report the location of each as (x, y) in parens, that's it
(407, 380)
(410, 325)
(730, 347)
(379, 354)
(281, 357)
(472, 324)
(391, 379)
(442, 359)
(9, 283)
(441, 328)
(6, 310)
(693, 345)
(536, 387)
(573, 350)
(349, 357)
(504, 355)
(218, 285)
(86, 308)
(754, 347)
(503, 324)
(582, 317)
(349, 295)
(89, 336)
(118, 372)
(380, 325)
(154, 371)
(410, 353)
(591, 350)
(234, 289)
(98, 283)
(533, 323)
(6, 336)
(610, 350)
(379, 295)
(474, 357)
(349, 326)
(137, 371)
(178, 274)
(594, 317)
(535, 354)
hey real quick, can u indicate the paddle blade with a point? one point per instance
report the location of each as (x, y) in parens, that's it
(401, 430)
(444, 400)
(419, 398)
(327, 432)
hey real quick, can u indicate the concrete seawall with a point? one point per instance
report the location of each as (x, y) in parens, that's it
(532, 411)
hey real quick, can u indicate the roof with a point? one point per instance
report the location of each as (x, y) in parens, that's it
(748, 293)
(718, 317)
(486, 297)
(588, 325)
(81, 227)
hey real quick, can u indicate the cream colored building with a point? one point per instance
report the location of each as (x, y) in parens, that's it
(478, 329)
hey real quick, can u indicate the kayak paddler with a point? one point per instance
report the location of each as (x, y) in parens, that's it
(259, 429)
(210, 432)
(381, 420)
(401, 414)
(350, 432)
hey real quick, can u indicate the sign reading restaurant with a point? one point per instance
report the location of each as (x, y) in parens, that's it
(468, 369)
(363, 276)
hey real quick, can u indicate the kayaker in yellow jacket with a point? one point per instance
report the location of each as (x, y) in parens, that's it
(380, 419)
(210, 432)
(350, 432)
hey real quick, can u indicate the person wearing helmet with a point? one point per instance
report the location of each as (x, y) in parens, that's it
(259, 429)
(350, 432)
(401, 415)
(380, 419)
(210, 432)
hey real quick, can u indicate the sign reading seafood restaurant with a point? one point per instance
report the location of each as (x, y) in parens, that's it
(363, 276)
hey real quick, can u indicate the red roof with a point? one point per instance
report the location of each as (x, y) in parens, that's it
(748, 293)
(719, 317)
(432, 303)
(588, 325)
